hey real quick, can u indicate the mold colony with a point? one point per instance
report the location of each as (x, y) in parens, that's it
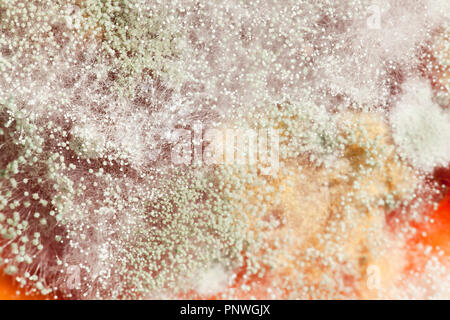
(92, 207)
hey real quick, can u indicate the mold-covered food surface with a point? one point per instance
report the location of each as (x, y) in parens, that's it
(224, 149)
